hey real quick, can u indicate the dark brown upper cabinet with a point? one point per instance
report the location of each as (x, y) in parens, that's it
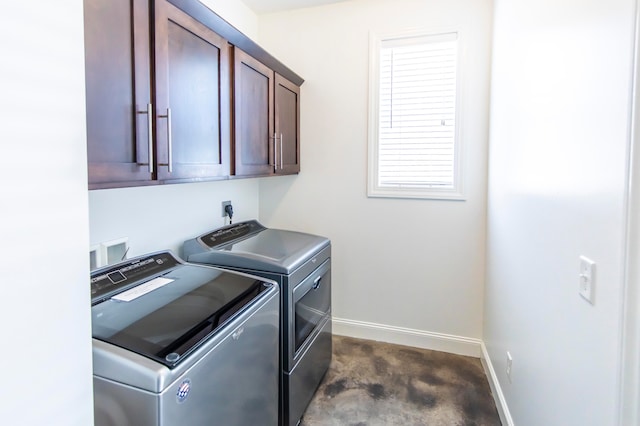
(253, 116)
(192, 97)
(160, 83)
(287, 125)
(136, 135)
(118, 91)
(266, 120)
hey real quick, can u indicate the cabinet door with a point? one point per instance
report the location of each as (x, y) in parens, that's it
(253, 97)
(287, 113)
(118, 91)
(193, 98)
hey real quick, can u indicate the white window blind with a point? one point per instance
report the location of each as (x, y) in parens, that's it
(416, 115)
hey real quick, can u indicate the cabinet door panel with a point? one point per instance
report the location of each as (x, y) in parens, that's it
(257, 128)
(287, 113)
(192, 82)
(117, 87)
(253, 142)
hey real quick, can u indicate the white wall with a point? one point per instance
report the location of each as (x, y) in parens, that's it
(237, 14)
(45, 303)
(560, 116)
(162, 217)
(630, 404)
(415, 264)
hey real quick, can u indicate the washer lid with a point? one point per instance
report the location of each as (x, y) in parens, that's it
(169, 309)
(257, 248)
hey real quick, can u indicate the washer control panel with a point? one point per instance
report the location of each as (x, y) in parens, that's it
(107, 282)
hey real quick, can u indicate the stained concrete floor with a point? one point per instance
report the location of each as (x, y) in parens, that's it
(379, 384)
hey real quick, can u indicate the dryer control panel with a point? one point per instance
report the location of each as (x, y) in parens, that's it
(231, 233)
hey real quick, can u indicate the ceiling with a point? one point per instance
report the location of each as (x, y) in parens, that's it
(267, 6)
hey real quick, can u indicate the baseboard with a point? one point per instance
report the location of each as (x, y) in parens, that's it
(407, 336)
(496, 389)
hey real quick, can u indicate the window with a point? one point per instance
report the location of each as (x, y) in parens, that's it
(414, 150)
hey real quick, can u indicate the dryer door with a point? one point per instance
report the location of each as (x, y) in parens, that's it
(312, 303)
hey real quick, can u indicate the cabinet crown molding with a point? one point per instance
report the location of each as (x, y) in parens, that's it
(212, 20)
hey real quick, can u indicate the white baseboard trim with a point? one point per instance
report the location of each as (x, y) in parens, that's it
(407, 336)
(496, 389)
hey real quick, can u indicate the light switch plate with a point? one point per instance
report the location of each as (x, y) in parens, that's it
(587, 279)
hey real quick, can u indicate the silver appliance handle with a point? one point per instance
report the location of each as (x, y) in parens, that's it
(312, 282)
(149, 113)
(316, 282)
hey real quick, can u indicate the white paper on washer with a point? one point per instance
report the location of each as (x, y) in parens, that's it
(142, 289)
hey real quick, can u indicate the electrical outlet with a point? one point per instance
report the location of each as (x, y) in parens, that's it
(509, 365)
(224, 205)
(587, 279)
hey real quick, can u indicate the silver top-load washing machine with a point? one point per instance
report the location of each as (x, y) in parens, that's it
(182, 344)
(301, 265)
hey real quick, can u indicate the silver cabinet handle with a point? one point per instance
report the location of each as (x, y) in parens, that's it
(281, 160)
(275, 152)
(316, 283)
(169, 141)
(149, 113)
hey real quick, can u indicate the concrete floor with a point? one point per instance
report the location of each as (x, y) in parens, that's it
(372, 383)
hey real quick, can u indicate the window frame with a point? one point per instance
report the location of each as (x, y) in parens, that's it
(429, 193)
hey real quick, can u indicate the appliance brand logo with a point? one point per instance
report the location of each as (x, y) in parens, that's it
(183, 390)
